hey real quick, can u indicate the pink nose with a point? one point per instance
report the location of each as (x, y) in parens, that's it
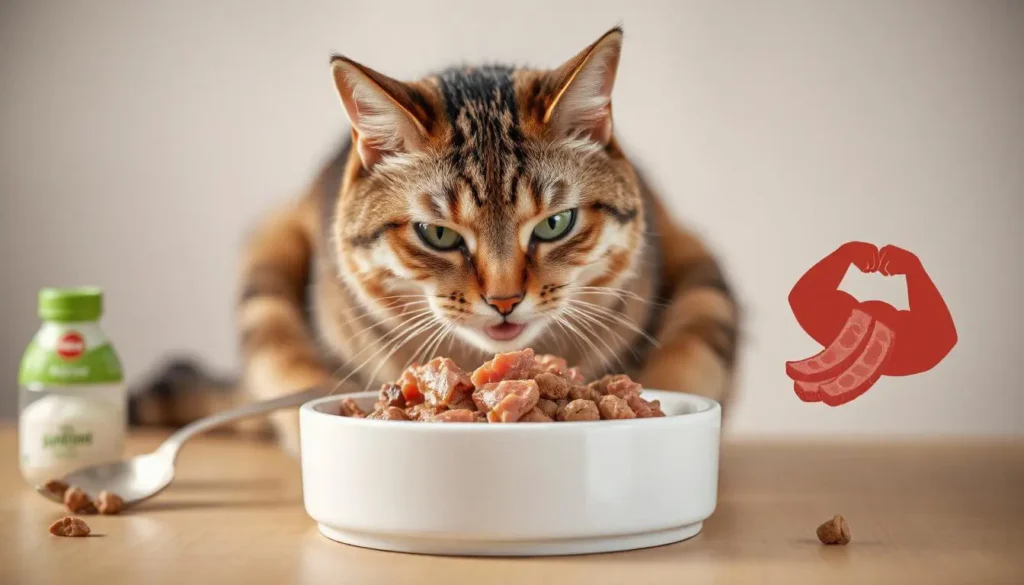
(504, 305)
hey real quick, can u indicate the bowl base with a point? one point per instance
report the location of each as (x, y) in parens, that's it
(511, 548)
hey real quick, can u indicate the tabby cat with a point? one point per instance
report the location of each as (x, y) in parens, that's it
(479, 210)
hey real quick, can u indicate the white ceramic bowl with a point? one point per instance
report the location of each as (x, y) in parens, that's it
(511, 489)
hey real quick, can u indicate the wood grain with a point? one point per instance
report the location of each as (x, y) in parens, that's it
(920, 513)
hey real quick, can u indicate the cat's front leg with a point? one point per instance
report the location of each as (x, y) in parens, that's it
(277, 372)
(280, 355)
(698, 338)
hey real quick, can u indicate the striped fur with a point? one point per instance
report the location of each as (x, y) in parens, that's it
(339, 290)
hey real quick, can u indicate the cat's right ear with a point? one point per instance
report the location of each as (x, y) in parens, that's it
(582, 102)
(380, 110)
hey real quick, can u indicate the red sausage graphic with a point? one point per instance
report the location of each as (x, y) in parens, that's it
(831, 361)
(858, 378)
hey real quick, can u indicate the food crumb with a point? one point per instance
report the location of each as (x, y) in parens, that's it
(56, 487)
(68, 526)
(78, 502)
(109, 503)
(835, 531)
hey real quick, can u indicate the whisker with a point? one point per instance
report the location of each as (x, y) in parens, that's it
(416, 313)
(602, 311)
(408, 318)
(405, 338)
(583, 317)
(367, 312)
(413, 358)
(611, 291)
(557, 339)
(432, 352)
(399, 332)
(583, 311)
(579, 348)
(407, 325)
(619, 293)
(474, 349)
(420, 296)
(451, 338)
(617, 317)
(570, 313)
(603, 363)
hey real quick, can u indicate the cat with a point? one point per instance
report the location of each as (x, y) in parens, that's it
(479, 210)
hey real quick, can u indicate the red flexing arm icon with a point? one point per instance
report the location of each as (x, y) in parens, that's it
(866, 340)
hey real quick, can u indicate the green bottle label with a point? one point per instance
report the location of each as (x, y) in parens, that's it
(69, 356)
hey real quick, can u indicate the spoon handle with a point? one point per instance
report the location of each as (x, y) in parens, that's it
(174, 443)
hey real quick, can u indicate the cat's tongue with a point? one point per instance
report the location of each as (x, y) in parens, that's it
(504, 331)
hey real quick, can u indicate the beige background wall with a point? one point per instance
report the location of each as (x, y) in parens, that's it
(138, 140)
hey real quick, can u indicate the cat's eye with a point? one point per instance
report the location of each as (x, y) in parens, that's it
(438, 237)
(555, 226)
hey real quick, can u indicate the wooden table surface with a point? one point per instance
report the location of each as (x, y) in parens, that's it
(919, 513)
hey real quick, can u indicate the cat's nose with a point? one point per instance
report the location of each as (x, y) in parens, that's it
(504, 305)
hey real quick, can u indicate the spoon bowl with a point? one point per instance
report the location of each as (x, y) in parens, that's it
(134, 480)
(144, 476)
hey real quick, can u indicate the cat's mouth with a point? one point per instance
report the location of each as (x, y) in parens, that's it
(504, 331)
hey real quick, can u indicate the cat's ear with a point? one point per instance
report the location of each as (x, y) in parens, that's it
(582, 103)
(380, 110)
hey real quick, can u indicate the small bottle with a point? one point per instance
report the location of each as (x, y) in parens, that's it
(72, 398)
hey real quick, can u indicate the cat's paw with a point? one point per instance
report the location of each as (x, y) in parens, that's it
(286, 431)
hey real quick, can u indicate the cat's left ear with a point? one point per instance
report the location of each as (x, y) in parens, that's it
(582, 103)
(381, 110)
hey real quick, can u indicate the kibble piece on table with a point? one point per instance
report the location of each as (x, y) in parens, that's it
(56, 487)
(109, 503)
(835, 531)
(78, 502)
(68, 526)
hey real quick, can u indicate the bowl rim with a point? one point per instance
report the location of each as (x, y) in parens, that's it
(709, 409)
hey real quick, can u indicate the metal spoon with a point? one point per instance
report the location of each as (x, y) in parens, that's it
(144, 476)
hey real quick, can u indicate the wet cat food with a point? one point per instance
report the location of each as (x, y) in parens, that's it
(508, 400)
(517, 386)
(350, 408)
(612, 407)
(578, 410)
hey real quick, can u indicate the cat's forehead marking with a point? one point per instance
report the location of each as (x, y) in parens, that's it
(487, 151)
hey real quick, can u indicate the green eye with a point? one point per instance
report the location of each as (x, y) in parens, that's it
(438, 237)
(554, 227)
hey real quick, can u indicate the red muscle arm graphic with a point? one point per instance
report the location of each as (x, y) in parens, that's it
(925, 333)
(820, 308)
(920, 337)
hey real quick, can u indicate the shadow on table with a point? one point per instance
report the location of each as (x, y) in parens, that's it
(173, 506)
(261, 483)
